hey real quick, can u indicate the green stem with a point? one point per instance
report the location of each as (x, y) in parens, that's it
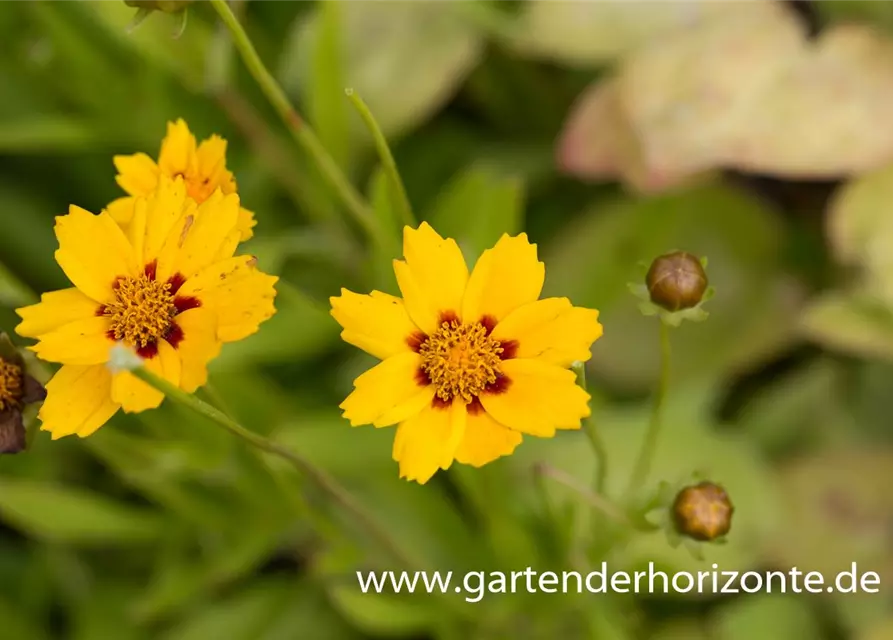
(594, 435)
(594, 500)
(649, 446)
(299, 129)
(319, 477)
(387, 158)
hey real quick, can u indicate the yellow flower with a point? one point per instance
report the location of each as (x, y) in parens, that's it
(202, 167)
(469, 362)
(171, 289)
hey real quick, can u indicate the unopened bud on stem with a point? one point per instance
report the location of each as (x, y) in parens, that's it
(703, 512)
(676, 281)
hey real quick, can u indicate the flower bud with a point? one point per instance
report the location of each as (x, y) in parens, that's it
(17, 389)
(676, 281)
(167, 6)
(703, 512)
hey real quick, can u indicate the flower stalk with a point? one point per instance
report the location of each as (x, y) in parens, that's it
(594, 436)
(643, 463)
(296, 125)
(398, 191)
(319, 477)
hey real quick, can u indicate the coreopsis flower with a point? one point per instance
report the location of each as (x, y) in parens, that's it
(171, 289)
(202, 167)
(470, 362)
(17, 390)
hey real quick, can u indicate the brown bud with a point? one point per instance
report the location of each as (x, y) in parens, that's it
(676, 281)
(17, 389)
(703, 512)
(167, 6)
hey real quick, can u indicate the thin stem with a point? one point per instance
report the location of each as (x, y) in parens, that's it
(326, 483)
(299, 129)
(387, 158)
(594, 500)
(649, 445)
(594, 435)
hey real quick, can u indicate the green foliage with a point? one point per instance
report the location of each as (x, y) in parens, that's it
(162, 525)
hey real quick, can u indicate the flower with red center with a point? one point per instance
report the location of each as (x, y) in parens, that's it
(171, 289)
(17, 390)
(202, 167)
(470, 362)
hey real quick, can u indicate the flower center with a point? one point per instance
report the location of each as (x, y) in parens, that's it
(460, 360)
(10, 385)
(142, 312)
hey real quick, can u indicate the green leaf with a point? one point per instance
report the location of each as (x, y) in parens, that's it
(383, 205)
(384, 614)
(594, 33)
(43, 133)
(405, 59)
(74, 516)
(268, 609)
(852, 323)
(477, 208)
(768, 617)
(751, 316)
(326, 106)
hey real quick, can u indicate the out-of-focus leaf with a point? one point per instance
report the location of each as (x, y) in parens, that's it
(46, 133)
(382, 200)
(74, 516)
(851, 323)
(767, 616)
(404, 58)
(105, 612)
(385, 614)
(259, 613)
(182, 583)
(689, 443)
(861, 234)
(793, 410)
(327, 107)
(746, 92)
(883, 631)
(837, 502)
(861, 11)
(681, 630)
(477, 208)
(592, 260)
(17, 625)
(585, 33)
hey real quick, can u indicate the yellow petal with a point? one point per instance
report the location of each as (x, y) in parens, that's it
(240, 295)
(167, 206)
(133, 394)
(195, 241)
(245, 224)
(177, 155)
(211, 163)
(137, 173)
(378, 323)
(552, 330)
(78, 401)
(198, 347)
(121, 210)
(539, 398)
(388, 393)
(81, 342)
(55, 309)
(485, 440)
(505, 277)
(428, 441)
(433, 276)
(93, 252)
(228, 248)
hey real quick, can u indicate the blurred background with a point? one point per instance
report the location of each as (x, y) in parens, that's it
(755, 133)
